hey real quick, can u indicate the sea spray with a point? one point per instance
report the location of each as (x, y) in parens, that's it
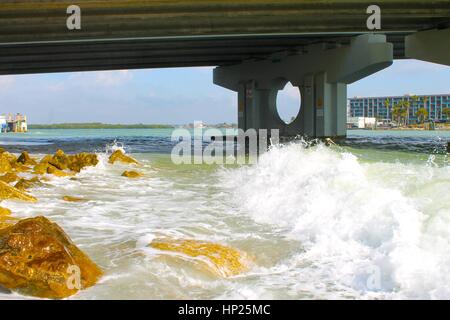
(359, 234)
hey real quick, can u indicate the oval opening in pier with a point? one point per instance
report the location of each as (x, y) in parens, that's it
(288, 103)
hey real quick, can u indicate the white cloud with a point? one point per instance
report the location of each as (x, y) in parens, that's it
(100, 78)
(112, 78)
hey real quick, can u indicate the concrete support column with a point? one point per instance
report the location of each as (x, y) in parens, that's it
(320, 73)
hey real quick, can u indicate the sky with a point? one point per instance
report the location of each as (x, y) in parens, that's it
(178, 95)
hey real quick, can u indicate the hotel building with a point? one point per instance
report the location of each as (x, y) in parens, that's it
(374, 107)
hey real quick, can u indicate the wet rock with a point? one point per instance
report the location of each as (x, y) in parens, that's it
(41, 167)
(221, 260)
(4, 211)
(132, 174)
(72, 199)
(25, 159)
(118, 155)
(5, 218)
(82, 160)
(5, 163)
(62, 162)
(24, 184)
(18, 167)
(9, 192)
(57, 172)
(37, 258)
(46, 158)
(9, 177)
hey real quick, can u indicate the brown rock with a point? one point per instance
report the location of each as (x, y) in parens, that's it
(57, 172)
(132, 174)
(9, 177)
(221, 260)
(25, 159)
(4, 211)
(24, 184)
(72, 199)
(82, 160)
(5, 219)
(59, 160)
(41, 167)
(5, 163)
(9, 192)
(118, 155)
(37, 258)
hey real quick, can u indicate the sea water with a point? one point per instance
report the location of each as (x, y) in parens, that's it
(368, 218)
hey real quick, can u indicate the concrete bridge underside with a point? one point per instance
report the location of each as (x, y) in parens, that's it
(257, 45)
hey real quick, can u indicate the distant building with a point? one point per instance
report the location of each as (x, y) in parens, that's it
(375, 106)
(10, 123)
(361, 122)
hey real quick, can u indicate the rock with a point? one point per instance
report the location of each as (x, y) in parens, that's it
(221, 260)
(25, 159)
(9, 177)
(4, 211)
(24, 184)
(41, 167)
(62, 162)
(5, 163)
(82, 160)
(12, 158)
(5, 219)
(37, 258)
(132, 174)
(118, 155)
(59, 160)
(46, 158)
(18, 167)
(9, 192)
(72, 199)
(57, 172)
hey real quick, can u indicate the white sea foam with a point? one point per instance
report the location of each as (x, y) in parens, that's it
(319, 222)
(362, 235)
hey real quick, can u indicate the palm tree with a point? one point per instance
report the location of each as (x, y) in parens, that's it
(446, 112)
(406, 105)
(400, 111)
(414, 100)
(386, 105)
(422, 114)
(425, 101)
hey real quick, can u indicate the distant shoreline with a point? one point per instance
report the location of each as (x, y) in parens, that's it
(96, 125)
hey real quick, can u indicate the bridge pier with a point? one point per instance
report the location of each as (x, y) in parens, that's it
(321, 72)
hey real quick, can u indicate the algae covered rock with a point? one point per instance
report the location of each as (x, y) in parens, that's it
(82, 160)
(118, 155)
(59, 162)
(4, 211)
(221, 260)
(41, 167)
(57, 172)
(9, 177)
(5, 163)
(72, 199)
(24, 184)
(5, 218)
(25, 159)
(37, 258)
(132, 174)
(9, 192)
